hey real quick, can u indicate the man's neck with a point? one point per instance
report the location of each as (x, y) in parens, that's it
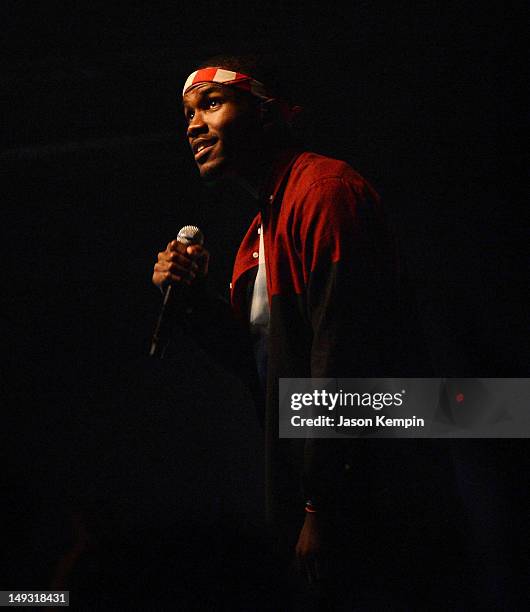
(254, 178)
(253, 187)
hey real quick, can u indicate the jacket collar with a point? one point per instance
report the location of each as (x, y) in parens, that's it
(280, 169)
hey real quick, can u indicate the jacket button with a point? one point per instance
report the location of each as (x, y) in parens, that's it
(255, 254)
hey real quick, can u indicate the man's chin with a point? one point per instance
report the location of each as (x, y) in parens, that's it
(212, 171)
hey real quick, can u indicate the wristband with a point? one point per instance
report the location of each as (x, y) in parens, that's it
(310, 507)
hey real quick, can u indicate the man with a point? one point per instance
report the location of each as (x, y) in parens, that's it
(313, 292)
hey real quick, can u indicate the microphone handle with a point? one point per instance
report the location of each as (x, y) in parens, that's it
(160, 339)
(175, 299)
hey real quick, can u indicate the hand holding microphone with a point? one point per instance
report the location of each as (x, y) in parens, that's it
(184, 259)
(183, 262)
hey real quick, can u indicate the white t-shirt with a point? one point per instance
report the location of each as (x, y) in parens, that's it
(260, 314)
(259, 306)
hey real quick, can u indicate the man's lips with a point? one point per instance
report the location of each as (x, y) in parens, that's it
(201, 148)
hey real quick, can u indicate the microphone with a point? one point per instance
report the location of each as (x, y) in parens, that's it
(187, 236)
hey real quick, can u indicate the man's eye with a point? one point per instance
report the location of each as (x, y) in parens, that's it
(213, 103)
(190, 115)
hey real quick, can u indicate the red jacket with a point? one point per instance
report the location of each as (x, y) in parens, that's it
(332, 289)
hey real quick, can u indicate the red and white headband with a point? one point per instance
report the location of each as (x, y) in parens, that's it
(241, 81)
(227, 77)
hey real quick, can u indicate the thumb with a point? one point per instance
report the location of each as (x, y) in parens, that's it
(195, 250)
(201, 257)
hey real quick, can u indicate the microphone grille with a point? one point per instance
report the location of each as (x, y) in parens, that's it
(190, 234)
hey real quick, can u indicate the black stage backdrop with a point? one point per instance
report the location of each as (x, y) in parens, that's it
(421, 100)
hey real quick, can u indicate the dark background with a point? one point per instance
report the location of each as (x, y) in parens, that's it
(423, 101)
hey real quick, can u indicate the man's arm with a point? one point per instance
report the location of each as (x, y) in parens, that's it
(208, 320)
(347, 255)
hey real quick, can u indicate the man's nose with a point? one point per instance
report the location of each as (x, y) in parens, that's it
(197, 125)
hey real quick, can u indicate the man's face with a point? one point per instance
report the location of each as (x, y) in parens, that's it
(224, 131)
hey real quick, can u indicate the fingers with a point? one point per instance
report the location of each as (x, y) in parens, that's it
(176, 269)
(177, 262)
(195, 252)
(169, 272)
(175, 246)
(201, 257)
(180, 263)
(194, 249)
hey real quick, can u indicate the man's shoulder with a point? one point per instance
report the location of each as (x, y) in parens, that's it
(311, 168)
